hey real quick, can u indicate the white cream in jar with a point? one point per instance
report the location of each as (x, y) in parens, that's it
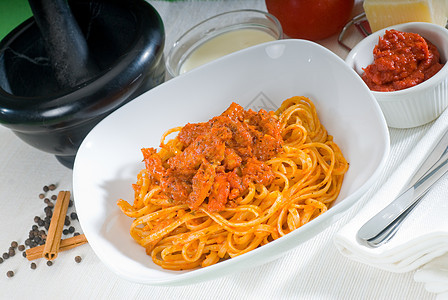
(224, 44)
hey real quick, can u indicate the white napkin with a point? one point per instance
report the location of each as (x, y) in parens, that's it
(435, 276)
(424, 233)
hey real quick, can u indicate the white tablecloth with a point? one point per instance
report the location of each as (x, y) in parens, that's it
(314, 270)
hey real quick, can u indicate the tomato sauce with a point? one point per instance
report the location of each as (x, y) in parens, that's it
(219, 158)
(401, 60)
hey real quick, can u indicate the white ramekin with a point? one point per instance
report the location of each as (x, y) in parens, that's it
(416, 105)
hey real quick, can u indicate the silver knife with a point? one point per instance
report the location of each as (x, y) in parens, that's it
(384, 224)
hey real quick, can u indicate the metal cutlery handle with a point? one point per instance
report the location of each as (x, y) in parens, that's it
(389, 232)
(386, 222)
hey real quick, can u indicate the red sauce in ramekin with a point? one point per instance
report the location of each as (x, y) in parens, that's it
(401, 60)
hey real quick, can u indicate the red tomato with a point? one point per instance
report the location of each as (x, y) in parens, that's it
(311, 19)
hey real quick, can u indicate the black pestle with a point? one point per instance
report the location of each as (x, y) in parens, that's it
(64, 42)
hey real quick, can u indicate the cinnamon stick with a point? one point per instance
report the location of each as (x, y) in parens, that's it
(65, 244)
(53, 241)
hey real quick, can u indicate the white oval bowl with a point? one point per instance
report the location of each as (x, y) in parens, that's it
(416, 105)
(262, 76)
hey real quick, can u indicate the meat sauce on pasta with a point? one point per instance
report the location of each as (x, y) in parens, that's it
(221, 188)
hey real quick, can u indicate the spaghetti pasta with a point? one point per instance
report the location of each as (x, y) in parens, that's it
(239, 181)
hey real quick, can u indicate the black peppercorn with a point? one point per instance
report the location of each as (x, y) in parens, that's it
(33, 266)
(48, 211)
(49, 263)
(74, 216)
(78, 259)
(10, 274)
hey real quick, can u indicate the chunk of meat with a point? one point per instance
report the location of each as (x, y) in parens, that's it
(231, 159)
(201, 184)
(235, 112)
(153, 163)
(236, 184)
(191, 131)
(209, 146)
(258, 172)
(176, 188)
(219, 193)
(266, 148)
(266, 129)
(266, 122)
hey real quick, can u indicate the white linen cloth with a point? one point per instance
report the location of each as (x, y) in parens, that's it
(423, 235)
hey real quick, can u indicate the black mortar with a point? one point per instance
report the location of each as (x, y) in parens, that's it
(69, 66)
